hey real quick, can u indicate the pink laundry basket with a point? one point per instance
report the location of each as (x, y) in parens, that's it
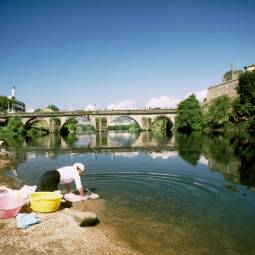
(10, 206)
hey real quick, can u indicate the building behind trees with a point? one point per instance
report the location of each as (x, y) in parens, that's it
(229, 84)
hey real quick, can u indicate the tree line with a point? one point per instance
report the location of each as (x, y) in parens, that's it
(223, 113)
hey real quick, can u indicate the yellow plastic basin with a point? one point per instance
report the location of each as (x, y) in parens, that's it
(45, 201)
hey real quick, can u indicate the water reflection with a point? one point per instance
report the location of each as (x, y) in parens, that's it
(233, 156)
(173, 184)
(189, 146)
(104, 140)
(245, 151)
(132, 154)
(164, 154)
(203, 160)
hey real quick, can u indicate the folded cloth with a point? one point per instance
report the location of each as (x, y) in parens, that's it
(24, 220)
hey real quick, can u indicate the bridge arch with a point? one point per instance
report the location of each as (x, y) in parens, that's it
(26, 121)
(79, 122)
(131, 117)
(167, 126)
(64, 121)
(41, 123)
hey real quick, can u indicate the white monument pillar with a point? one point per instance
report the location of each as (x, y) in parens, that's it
(13, 92)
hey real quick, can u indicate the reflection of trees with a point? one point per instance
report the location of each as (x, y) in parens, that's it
(70, 139)
(15, 142)
(189, 146)
(245, 150)
(14, 145)
(233, 155)
(161, 137)
(51, 141)
(219, 148)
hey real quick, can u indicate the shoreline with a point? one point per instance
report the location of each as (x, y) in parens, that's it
(59, 233)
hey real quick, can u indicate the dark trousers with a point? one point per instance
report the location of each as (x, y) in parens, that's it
(49, 181)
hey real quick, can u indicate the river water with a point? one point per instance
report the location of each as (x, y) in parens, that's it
(164, 193)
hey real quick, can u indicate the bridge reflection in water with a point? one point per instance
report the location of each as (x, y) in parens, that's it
(107, 141)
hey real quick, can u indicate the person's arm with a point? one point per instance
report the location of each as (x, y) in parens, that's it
(78, 184)
(82, 193)
(68, 187)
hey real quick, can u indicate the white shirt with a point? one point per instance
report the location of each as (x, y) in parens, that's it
(69, 174)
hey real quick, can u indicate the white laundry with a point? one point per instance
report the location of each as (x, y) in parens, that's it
(23, 193)
(92, 196)
(75, 198)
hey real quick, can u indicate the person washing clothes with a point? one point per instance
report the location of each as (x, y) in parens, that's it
(65, 175)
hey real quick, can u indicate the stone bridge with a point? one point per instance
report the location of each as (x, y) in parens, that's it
(99, 119)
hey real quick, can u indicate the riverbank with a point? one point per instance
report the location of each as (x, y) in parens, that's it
(4, 180)
(4, 163)
(59, 233)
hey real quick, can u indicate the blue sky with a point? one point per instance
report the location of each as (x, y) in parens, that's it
(76, 53)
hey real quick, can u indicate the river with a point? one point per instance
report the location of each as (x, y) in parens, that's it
(164, 193)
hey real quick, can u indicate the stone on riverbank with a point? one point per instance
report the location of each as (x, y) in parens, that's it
(82, 218)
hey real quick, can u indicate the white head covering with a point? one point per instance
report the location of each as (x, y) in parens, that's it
(80, 165)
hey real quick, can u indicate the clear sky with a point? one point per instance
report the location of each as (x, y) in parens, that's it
(75, 53)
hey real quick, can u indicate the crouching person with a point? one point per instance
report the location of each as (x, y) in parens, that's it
(65, 175)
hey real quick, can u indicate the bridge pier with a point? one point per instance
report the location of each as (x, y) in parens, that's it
(99, 123)
(54, 125)
(146, 123)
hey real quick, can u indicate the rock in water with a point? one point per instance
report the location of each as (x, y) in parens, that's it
(82, 218)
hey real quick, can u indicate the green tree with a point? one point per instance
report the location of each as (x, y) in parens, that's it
(246, 88)
(85, 128)
(133, 128)
(189, 115)
(53, 107)
(4, 103)
(243, 112)
(71, 125)
(161, 124)
(219, 113)
(244, 106)
(14, 127)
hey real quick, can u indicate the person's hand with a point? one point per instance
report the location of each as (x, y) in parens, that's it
(82, 193)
